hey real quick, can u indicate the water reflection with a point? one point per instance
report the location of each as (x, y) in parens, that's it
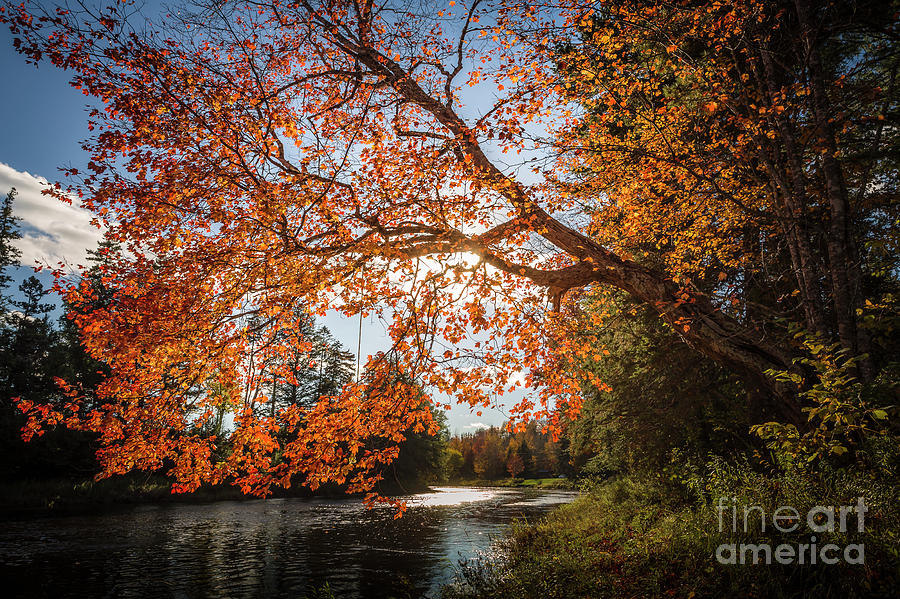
(274, 548)
(449, 496)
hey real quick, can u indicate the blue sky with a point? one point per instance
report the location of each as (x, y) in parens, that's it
(44, 123)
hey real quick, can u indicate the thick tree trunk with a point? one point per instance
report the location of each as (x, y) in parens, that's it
(700, 324)
(793, 197)
(844, 266)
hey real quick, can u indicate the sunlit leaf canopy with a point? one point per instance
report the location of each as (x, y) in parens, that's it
(425, 162)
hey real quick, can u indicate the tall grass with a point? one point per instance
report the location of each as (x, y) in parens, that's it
(634, 537)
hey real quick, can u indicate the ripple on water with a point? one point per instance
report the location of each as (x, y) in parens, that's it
(451, 496)
(277, 548)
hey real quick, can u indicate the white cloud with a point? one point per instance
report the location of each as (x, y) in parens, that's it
(52, 231)
(516, 377)
(477, 425)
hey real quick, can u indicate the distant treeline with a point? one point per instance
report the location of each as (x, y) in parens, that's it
(493, 453)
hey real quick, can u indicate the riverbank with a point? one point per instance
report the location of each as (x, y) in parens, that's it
(562, 484)
(640, 538)
(65, 496)
(62, 496)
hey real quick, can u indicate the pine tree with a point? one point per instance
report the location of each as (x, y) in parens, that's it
(9, 254)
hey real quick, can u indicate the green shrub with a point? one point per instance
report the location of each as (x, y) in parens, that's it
(648, 537)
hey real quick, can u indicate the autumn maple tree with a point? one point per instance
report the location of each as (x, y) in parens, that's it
(469, 171)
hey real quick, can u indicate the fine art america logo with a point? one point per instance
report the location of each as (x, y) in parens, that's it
(787, 519)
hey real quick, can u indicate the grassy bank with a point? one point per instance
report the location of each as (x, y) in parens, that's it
(537, 483)
(631, 538)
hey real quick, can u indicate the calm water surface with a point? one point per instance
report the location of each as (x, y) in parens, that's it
(274, 548)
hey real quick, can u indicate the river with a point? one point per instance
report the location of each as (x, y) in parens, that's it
(278, 548)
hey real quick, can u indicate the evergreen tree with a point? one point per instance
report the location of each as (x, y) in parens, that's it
(314, 364)
(524, 453)
(33, 353)
(9, 254)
